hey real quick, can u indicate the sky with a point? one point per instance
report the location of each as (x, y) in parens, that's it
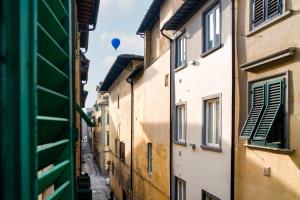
(116, 18)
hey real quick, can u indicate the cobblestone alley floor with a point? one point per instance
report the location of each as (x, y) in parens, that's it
(100, 189)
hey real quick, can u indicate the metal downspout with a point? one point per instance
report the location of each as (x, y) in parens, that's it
(171, 113)
(233, 54)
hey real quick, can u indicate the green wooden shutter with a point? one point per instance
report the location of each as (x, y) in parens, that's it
(275, 92)
(258, 11)
(274, 7)
(258, 105)
(54, 96)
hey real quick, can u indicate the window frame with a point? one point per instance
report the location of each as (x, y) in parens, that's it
(182, 63)
(180, 180)
(205, 144)
(205, 50)
(150, 159)
(184, 133)
(286, 76)
(266, 20)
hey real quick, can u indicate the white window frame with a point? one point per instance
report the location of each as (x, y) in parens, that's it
(181, 51)
(217, 122)
(180, 138)
(208, 33)
(180, 189)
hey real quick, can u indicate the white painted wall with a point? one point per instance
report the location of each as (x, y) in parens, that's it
(204, 169)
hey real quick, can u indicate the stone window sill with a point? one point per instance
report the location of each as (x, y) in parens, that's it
(211, 148)
(206, 53)
(180, 68)
(274, 150)
(180, 143)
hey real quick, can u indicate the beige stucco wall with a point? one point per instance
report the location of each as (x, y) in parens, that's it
(284, 182)
(120, 129)
(211, 75)
(152, 124)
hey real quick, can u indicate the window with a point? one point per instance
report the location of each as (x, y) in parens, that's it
(265, 124)
(181, 51)
(212, 34)
(107, 118)
(264, 10)
(149, 152)
(107, 138)
(208, 196)
(180, 189)
(99, 120)
(180, 123)
(116, 146)
(122, 151)
(112, 168)
(212, 121)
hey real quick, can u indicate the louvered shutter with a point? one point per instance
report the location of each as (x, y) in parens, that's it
(274, 7)
(258, 12)
(275, 92)
(258, 105)
(54, 78)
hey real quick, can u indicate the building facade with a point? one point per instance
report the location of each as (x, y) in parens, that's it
(102, 135)
(202, 99)
(152, 107)
(267, 160)
(119, 119)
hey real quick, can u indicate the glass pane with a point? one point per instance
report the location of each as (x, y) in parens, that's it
(180, 123)
(217, 114)
(210, 123)
(218, 26)
(211, 29)
(217, 20)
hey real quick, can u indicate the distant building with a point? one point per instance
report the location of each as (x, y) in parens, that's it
(102, 131)
(267, 100)
(119, 123)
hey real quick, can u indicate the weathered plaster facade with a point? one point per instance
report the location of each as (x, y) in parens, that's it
(152, 125)
(120, 131)
(280, 33)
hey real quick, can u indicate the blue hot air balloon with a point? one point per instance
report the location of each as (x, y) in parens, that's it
(115, 43)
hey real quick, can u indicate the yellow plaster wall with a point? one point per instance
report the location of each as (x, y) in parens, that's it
(284, 182)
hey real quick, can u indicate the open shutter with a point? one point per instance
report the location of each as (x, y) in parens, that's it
(258, 12)
(274, 7)
(54, 96)
(258, 105)
(274, 103)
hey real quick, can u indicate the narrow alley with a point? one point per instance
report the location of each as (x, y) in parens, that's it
(100, 189)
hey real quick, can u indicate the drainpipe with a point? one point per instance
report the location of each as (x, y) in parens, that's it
(130, 81)
(171, 112)
(233, 100)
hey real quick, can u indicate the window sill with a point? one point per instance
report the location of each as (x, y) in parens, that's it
(274, 150)
(206, 53)
(211, 148)
(180, 68)
(180, 143)
(267, 24)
